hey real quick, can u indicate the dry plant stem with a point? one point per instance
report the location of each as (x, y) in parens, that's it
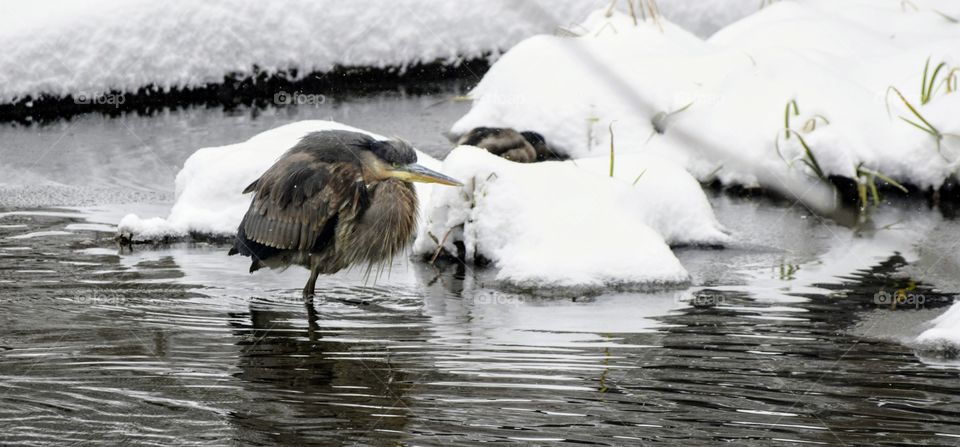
(440, 246)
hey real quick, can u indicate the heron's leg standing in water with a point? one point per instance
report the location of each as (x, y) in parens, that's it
(312, 318)
(310, 288)
(308, 293)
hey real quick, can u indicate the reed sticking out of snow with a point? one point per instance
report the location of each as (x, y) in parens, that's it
(809, 158)
(923, 125)
(647, 8)
(866, 178)
(929, 85)
(612, 151)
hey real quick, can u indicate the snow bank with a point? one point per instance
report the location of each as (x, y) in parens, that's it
(944, 335)
(61, 47)
(720, 103)
(209, 197)
(107, 45)
(567, 224)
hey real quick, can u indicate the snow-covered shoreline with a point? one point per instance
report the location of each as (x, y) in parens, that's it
(717, 106)
(64, 58)
(113, 45)
(121, 54)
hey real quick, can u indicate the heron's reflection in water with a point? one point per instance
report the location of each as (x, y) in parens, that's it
(306, 383)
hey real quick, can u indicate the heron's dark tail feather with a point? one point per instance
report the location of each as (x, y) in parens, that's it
(248, 247)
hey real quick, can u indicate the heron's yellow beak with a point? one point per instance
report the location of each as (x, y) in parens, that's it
(418, 173)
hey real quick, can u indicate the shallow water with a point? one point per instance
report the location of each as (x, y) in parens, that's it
(779, 341)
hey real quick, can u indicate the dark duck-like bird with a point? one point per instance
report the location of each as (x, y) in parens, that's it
(521, 147)
(334, 200)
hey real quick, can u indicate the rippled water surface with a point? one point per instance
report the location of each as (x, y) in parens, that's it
(780, 340)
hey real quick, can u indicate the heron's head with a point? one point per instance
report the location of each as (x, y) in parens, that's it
(397, 159)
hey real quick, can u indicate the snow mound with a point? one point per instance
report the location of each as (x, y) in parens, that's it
(209, 199)
(944, 335)
(568, 224)
(717, 107)
(671, 200)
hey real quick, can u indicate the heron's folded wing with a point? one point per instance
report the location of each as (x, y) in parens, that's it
(296, 199)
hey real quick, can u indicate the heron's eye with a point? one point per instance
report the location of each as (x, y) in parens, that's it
(395, 165)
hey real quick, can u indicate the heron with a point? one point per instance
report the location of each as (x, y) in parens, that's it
(521, 147)
(335, 199)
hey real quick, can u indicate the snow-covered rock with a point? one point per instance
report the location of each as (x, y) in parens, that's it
(721, 102)
(568, 224)
(944, 334)
(209, 188)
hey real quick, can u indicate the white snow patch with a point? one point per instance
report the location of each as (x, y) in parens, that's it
(209, 187)
(671, 200)
(944, 333)
(837, 59)
(567, 224)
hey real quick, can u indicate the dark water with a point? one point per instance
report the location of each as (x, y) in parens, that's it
(780, 341)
